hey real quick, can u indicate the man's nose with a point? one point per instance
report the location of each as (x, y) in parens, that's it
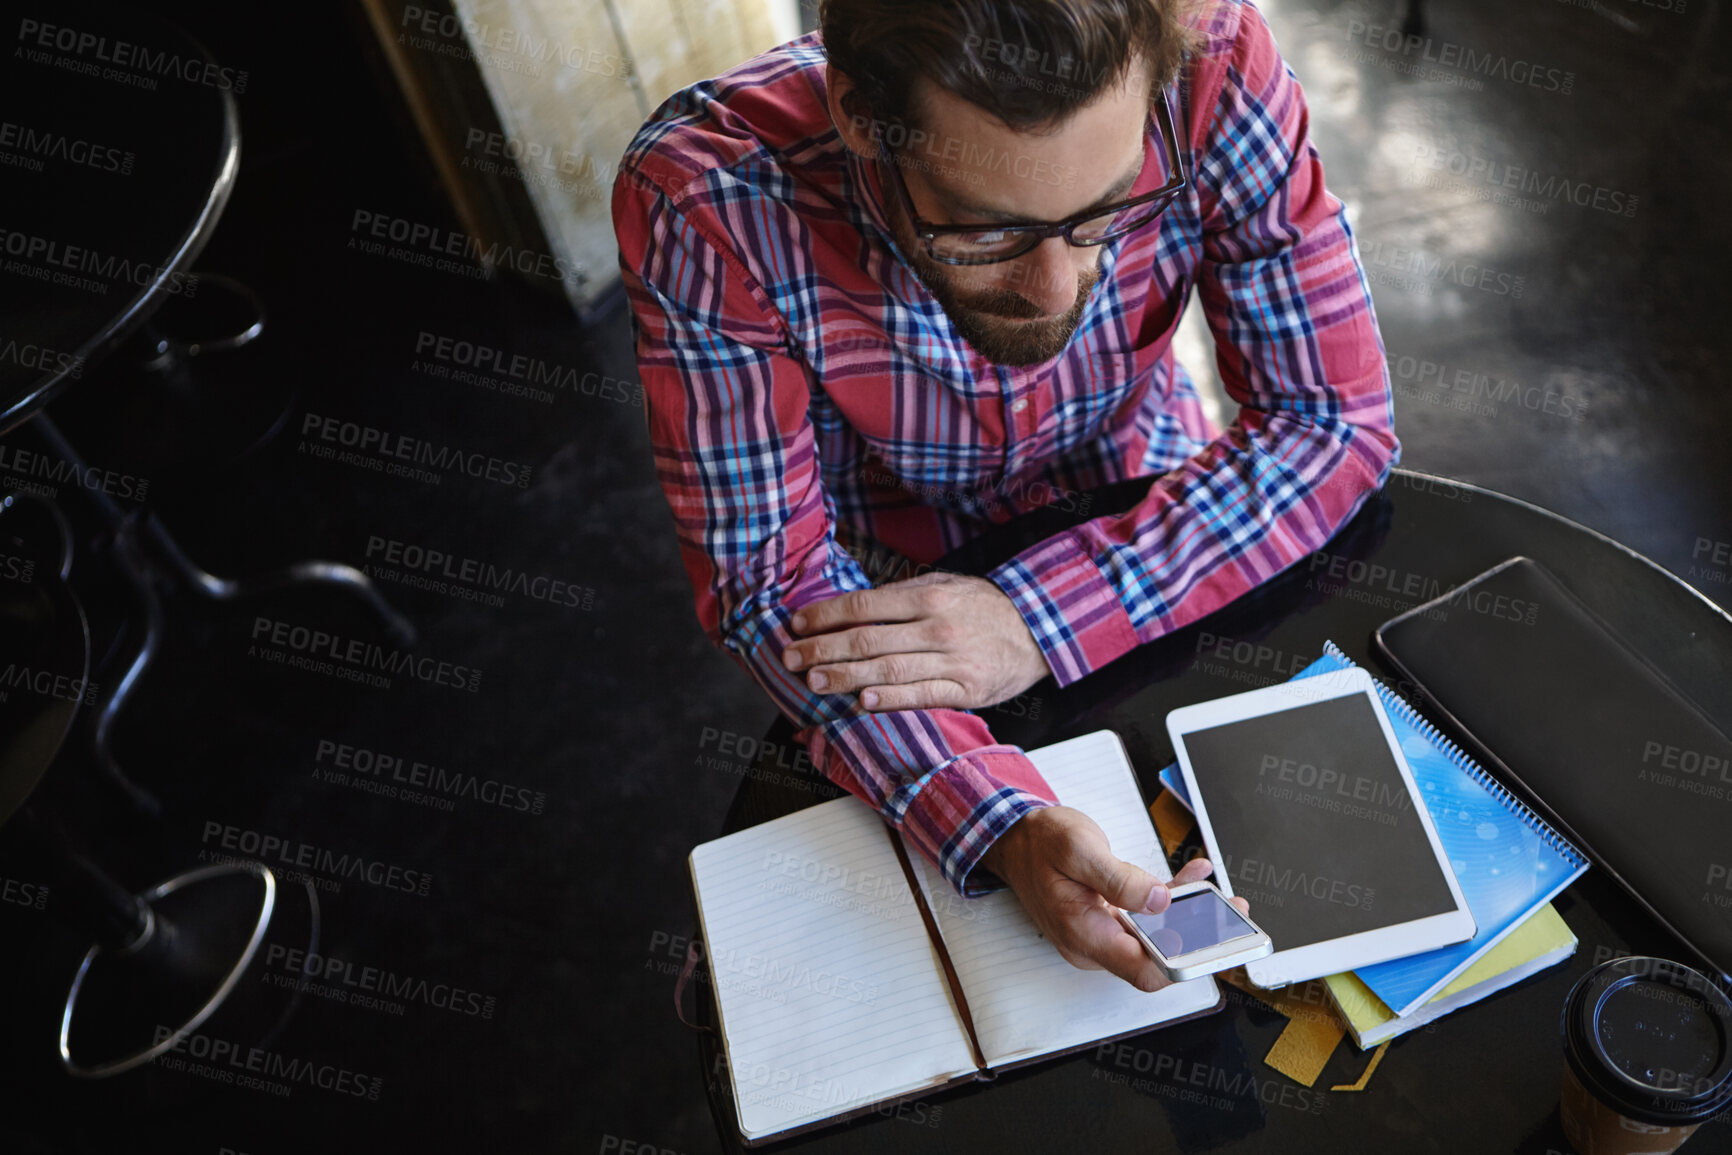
(1047, 275)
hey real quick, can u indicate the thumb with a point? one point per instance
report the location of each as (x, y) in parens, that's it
(1122, 883)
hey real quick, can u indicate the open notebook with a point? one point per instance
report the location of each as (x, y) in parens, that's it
(832, 994)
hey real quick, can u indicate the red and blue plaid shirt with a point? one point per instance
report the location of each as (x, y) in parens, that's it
(806, 394)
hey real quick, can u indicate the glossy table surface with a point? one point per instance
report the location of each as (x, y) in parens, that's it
(119, 148)
(1484, 1079)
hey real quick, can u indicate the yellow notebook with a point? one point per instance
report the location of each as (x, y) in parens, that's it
(1541, 941)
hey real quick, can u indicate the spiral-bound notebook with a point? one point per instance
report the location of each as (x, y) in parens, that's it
(1508, 860)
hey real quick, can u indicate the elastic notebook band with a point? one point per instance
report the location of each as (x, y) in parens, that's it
(1464, 762)
(956, 994)
(686, 972)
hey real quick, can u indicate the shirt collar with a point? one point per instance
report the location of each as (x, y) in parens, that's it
(864, 179)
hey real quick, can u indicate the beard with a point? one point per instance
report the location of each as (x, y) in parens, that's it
(991, 320)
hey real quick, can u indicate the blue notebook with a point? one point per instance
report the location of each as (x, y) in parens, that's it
(1508, 860)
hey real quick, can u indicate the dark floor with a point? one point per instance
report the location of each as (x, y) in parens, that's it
(1563, 353)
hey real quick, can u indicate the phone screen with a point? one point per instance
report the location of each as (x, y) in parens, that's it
(1193, 922)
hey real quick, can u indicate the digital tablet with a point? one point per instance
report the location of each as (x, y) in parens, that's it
(1308, 809)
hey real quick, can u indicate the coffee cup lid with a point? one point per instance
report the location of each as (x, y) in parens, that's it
(1651, 1038)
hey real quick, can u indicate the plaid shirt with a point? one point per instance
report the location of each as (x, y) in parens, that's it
(806, 394)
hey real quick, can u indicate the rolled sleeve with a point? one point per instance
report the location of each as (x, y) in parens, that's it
(728, 414)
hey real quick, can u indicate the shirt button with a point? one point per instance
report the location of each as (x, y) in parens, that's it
(1019, 406)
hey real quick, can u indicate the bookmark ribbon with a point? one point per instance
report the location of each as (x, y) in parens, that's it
(955, 983)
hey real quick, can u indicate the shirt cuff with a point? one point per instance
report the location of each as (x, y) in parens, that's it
(1070, 607)
(955, 813)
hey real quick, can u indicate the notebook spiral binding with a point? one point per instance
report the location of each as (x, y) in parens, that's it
(1396, 704)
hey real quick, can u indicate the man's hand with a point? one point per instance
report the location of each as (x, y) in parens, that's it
(934, 641)
(1062, 868)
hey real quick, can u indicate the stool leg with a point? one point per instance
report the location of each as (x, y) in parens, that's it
(127, 1007)
(132, 531)
(164, 960)
(117, 919)
(137, 573)
(397, 627)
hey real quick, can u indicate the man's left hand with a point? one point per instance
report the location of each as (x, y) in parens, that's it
(935, 641)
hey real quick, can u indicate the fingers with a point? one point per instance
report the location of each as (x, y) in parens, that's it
(858, 607)
(1199, 869)
(855, 644)
(937, 694)
(1119, 882)
(1195, 870)
(1102, 940)
(882, 673)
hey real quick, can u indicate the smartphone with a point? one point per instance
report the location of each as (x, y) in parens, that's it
(1199, 934)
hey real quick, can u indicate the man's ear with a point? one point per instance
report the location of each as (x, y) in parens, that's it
(849, 112)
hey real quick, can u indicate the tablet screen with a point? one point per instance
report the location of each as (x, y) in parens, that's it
(1315, 826)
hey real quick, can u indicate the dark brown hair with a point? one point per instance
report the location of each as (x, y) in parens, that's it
(1029, 63)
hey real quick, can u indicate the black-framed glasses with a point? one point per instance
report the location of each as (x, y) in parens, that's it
(985, 245)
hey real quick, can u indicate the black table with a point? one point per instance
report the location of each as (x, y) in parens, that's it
(1484, 1079)
(119, 148)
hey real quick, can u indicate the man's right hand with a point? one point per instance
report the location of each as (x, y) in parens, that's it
(1062, 868)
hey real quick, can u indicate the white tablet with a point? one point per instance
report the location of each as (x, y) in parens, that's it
(1309, 810)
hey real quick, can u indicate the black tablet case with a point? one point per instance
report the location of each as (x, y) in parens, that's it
(1563, 709)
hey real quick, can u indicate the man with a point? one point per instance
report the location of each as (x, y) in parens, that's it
(919, 272)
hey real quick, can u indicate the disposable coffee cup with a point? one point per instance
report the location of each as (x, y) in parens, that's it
(1648, 1057)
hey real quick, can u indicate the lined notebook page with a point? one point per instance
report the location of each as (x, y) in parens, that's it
(1026, 1000)
(830, 993)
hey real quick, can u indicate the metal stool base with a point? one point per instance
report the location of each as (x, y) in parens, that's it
(138, 1002)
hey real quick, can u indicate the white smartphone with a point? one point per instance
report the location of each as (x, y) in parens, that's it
(1199, 934)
